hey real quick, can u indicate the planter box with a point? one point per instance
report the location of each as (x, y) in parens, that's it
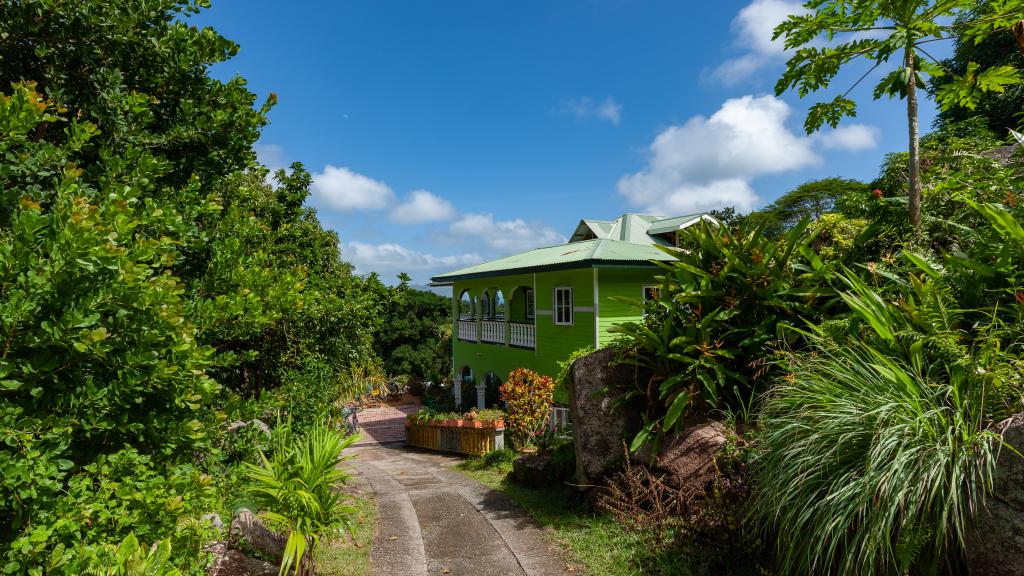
(473, 441)
(423, 436)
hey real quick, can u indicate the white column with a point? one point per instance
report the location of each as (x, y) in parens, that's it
(481, 396)
(457, 392)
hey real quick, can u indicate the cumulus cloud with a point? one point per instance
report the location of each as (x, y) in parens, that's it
(710, 162)
(586, 107)
(852, 137)
(506, 235)
(753, 28)
(390, 257)
(342, 189)
(422, 206)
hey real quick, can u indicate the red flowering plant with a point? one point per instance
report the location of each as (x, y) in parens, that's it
(527, 396)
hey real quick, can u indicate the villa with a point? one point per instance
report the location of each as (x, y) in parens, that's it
(533, 309)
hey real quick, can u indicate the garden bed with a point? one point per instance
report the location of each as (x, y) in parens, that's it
(473, 438)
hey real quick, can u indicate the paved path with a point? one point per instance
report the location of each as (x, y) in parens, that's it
(384, 424)
(432, 520)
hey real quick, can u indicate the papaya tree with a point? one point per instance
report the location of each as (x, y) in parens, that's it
(833, 34)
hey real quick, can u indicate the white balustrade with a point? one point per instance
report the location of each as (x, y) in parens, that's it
(492, 331)
(522, 335)
(467, 330)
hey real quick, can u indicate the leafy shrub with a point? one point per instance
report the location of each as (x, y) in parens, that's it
(527, 396)
(880, 440)
(296, 489)
(725, 300)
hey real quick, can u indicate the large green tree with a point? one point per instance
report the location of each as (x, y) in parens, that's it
(150, 278)
(835, 33)
(811, 200)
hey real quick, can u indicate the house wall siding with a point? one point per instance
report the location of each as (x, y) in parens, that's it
(616, 283)
(554, 343)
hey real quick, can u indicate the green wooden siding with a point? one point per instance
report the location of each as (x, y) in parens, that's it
(554, 342)
(620, 283)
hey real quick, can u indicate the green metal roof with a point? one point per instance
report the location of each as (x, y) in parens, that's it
(583, 254)
(665, 225)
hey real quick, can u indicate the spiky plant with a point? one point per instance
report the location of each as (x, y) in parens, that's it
(877, 449)
(297, 492)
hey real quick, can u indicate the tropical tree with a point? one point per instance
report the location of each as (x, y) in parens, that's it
(878, 31)
(812, 199)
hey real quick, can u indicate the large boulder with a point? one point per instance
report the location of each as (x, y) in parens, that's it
(251, 537)
(599, 430)
(995, 547)
(688, 459)
(227, 562)
(535, 470)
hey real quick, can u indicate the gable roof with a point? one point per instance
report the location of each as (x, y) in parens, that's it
(580, 254)
(629, 240)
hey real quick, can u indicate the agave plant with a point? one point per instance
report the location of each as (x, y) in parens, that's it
(297, 492)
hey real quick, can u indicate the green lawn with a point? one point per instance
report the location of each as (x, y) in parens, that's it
(594, 543)
(350, 556)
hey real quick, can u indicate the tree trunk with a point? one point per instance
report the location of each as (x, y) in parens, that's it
(914, 191)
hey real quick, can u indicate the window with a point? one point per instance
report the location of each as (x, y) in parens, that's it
(651, 293)
(485, 306)
(563, 306)
(529, 304)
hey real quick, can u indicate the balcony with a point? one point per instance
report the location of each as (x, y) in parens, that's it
(492, 331)
(522, 335)
(467, 330)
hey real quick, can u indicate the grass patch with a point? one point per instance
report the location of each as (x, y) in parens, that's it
(350, 555)
(593, 542)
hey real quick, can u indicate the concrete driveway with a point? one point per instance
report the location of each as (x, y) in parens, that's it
(432, 520)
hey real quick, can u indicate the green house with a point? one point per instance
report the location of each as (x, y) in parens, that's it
(533, 309)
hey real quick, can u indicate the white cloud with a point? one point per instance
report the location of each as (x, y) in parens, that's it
(506, 236)
(270, 155)
(586, 107)
(852, 137)
(340, 188)
(710, 162)
(391, 257)
(753, 28)
(422, 206)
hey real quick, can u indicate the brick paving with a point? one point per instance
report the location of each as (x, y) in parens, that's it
(385, 424)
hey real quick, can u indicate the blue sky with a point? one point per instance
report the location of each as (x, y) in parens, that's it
(444, 133)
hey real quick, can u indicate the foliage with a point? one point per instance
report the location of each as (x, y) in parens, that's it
(811, 199)
(527, 396)
(297, 490)
(725, 299)
(152, 282)
(896, 27)
(97, 353)
(408, 340)
(999, 108)
(878, 30)
(900, 403)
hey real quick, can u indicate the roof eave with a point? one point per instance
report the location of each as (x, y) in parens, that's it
(449, 279)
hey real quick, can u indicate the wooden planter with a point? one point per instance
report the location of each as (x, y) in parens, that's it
(465, 439)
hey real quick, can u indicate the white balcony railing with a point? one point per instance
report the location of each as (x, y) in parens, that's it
(492, 331)
(522, 335)
(467, 330)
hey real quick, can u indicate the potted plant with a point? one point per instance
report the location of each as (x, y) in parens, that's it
(472, 419)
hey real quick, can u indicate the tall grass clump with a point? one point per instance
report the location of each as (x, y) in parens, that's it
(869, 465)
(879, 444)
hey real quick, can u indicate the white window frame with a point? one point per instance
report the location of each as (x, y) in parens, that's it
(643, 292)
(555, 306)
(531, 306)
